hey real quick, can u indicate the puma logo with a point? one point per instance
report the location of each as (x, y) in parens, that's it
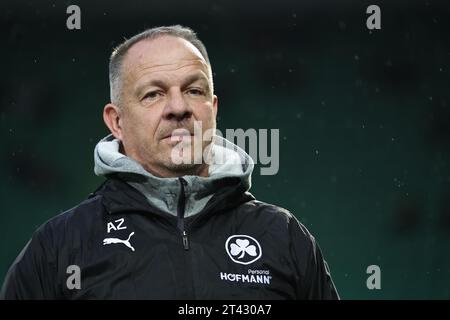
(115, 240)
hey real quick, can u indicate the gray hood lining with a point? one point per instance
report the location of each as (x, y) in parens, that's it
(228, 160)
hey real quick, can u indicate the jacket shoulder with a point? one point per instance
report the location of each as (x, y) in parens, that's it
(80, 217)
(276, 217)
(33, 273)
(267, 209)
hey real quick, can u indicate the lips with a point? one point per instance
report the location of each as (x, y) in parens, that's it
(180, 132)
(179, 135)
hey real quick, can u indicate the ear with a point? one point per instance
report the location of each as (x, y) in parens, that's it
(215, 105)
(112, 117)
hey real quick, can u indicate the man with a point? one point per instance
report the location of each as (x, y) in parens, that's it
(166, 223)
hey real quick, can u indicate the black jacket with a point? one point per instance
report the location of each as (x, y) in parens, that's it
(235, 248)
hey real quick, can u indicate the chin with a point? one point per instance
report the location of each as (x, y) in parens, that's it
(181, 167)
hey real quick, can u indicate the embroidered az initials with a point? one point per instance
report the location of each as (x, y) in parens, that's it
(117, 226)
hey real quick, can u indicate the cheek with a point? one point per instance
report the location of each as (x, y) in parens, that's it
(206, 115)
(140, 127)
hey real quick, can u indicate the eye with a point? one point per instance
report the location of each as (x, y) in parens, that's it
(151, 95)
(196, 91)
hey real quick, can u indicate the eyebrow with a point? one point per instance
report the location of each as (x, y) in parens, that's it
(159, 83)
(193, 78)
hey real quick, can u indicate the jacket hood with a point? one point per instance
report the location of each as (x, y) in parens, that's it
(230, 164)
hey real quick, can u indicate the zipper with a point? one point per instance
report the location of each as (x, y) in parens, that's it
(185, 241)
(180, 214)
(190, 286)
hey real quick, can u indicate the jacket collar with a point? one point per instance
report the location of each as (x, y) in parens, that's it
(230, 163)
(119, 197)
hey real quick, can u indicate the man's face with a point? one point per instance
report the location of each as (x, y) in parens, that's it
(166, 86)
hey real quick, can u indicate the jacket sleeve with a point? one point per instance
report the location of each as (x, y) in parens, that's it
(32, 274)
(313, 276)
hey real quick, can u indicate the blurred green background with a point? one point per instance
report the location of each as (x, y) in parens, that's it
(364, 120)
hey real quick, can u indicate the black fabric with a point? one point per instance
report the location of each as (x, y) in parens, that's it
(290, 263)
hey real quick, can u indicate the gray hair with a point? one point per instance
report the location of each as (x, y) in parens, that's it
(119, 53)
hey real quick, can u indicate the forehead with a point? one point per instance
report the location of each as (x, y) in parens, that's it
(165, 53)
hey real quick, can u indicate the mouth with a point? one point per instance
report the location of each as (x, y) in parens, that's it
(179, 135)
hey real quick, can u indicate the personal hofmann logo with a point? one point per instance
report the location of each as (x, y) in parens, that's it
(253, 276)
(243, 249)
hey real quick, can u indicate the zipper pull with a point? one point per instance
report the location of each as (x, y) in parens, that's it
(185, 241)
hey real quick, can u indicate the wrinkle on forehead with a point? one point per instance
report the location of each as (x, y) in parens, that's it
(169, 56)
(165, 51)
(143, 78)
(147, 69)
(173, 66)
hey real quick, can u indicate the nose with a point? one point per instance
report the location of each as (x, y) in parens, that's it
(177, 107)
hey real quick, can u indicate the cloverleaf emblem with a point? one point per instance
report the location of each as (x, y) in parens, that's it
(241, 247)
